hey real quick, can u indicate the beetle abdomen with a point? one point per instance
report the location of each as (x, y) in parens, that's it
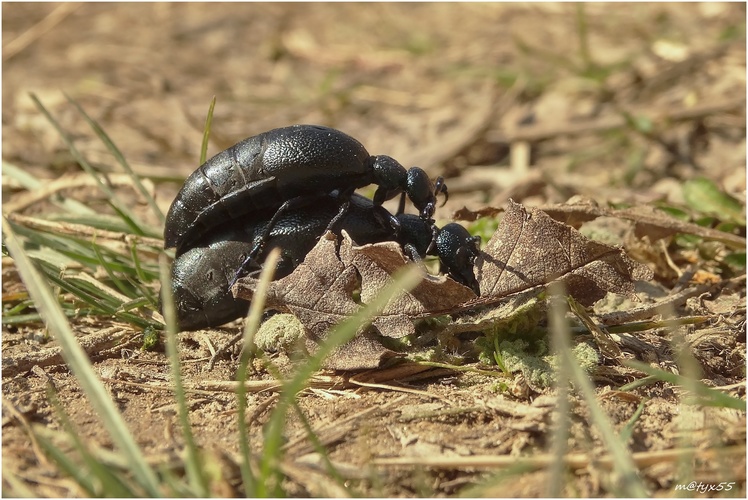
(261, 170)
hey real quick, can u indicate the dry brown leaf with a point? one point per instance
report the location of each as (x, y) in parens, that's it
(320, 294)
(648, 221)
(376, 263)
(528, 249)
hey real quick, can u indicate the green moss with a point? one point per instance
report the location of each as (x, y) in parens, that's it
(282, 332)
(531, 357)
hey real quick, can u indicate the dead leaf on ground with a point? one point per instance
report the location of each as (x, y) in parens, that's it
(648, 221)
(527, 250)
(320, 294)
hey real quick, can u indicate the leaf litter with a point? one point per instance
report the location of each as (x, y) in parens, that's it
(528, 251)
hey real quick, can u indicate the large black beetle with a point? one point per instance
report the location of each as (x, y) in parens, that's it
(287, 168)
(202, 274)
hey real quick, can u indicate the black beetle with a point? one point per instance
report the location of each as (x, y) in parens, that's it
(457, 250)
(287, 168)
(201, 275)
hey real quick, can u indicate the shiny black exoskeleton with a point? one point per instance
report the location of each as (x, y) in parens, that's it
(457, 251)
(288, 168)
(202, 274)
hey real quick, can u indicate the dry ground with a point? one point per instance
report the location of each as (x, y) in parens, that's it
(453, 88)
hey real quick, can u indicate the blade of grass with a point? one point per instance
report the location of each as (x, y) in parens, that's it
(72, 469)
(206, 131)
(139, 271)
(107, 222)
(628, 430)
(108, 269)
(87, 251)
(584, 46)
(78, 362)
(561, 343)
(112, 197)
(250, 329)
(18, 488)
(319, 448)
(639, 383)
(405, 279)
(31, 183)
(193, 464)
(705, 395)
(114, 150)
(109, 483)
(81, 294)
(628, 479)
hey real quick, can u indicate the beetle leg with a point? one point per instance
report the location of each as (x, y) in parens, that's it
(344, 208)
(434, 235)
(401, 206)
(441, 187)
(411, 252)
(297, 202)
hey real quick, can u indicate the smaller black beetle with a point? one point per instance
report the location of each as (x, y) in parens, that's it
(298, 165)
(201, 276)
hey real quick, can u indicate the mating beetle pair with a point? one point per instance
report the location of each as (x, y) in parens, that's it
(203, 274)
(284, 188)
(296, 164)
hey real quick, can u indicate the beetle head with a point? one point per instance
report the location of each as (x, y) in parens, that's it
(422, 192)
(457, 252)
(201, 294)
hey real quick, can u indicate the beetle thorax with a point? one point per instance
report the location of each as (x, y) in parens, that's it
(388, 172)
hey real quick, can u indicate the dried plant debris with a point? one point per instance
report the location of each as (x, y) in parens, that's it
(529, 248)
(648, 221)
(527, 251)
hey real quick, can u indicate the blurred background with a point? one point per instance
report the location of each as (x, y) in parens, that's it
(538, 102)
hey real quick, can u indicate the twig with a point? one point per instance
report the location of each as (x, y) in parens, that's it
(93, 343)
(543, 132)
(81, 230)
(25, 39)
(47, 189)
(574, 461)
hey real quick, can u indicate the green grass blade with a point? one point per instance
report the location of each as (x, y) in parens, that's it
(704, 196)
(31, 183)
(406, 279)
(321, 451)
(108, 269)
(561, 343)
(628, 478)
(628, 430)
(78, 362)
(108, 482)
(193, 464)
(67, 466)
(114, 150)
(206, 131)
(630, 483)
(18, 488)
(704, 394)
(250, 329)
(114, 200)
